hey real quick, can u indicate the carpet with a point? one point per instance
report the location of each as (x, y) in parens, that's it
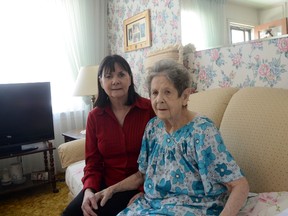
(36, 201)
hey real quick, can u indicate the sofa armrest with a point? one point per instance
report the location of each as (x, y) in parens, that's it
(71, 152)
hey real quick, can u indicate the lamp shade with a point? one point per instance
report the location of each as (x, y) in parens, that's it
(87, 83)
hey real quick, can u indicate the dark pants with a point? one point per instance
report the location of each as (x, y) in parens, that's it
(113, 206)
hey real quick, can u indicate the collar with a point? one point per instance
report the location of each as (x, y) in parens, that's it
(141, 103)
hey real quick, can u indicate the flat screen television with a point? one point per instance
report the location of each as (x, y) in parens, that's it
(26, 116)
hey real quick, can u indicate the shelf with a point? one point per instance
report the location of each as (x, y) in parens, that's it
(26, 185)
(40, 148)
(47, 149)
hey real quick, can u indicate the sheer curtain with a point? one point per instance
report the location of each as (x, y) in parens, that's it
(49, 40)
(203, 23)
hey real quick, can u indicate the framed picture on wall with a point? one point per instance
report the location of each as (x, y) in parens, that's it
(137, 31)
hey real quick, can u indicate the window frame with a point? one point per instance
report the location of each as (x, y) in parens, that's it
(242, 27)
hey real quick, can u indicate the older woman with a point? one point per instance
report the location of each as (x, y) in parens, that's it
(183, 162)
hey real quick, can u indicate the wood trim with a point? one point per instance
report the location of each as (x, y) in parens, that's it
(281, 22)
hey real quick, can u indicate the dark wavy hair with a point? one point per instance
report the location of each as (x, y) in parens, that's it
(108, 65)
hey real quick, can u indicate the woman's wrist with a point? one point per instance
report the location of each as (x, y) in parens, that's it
(113, 189)
(89, 190)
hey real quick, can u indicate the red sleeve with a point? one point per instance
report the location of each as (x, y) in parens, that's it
(94, 163)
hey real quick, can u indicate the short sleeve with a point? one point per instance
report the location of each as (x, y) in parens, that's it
(216, 164)
(146, 147)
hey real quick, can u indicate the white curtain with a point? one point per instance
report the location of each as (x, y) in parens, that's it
(49, 40)
(203, 23)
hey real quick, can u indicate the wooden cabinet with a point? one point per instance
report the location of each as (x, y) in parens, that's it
(271, 29)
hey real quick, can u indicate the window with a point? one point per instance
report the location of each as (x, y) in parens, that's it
(201, 19)
(240, 33)
(38, 47)
(32, 49)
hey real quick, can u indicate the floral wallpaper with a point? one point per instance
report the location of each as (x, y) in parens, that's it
(165, 30)
(256, 63)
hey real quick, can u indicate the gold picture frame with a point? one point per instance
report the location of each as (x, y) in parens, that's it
(137, 31)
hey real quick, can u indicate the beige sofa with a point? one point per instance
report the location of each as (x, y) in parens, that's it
(254, 125)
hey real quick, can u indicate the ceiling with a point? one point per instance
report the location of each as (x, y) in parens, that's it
(260, 4)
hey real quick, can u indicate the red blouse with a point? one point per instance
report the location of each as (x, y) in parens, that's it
(112, 151)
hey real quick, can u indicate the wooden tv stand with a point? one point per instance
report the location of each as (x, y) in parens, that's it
(46, 148)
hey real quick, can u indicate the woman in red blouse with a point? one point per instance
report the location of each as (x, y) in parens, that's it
(114, 133)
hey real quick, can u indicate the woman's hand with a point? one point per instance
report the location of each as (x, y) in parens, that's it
(103, 196)
(89, 203)
(136, 196)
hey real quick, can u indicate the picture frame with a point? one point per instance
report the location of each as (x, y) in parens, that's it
(39, 176)
(137, 31)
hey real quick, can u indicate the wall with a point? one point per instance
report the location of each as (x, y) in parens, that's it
(257, 63)
(277, 12)
(165, 28)
(235, 13)
(238, 65)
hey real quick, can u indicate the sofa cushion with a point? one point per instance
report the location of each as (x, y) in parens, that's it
(73, 177)
(211, 103)
(254, 128)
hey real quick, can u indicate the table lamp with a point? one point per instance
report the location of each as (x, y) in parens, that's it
(87, 83)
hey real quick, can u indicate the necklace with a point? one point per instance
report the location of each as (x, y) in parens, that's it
(121, 114)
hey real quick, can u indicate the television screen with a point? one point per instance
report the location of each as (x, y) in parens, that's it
(25, 114)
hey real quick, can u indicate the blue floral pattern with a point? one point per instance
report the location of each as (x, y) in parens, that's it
(184, 171)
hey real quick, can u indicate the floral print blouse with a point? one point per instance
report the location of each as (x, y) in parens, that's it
(184, 171)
